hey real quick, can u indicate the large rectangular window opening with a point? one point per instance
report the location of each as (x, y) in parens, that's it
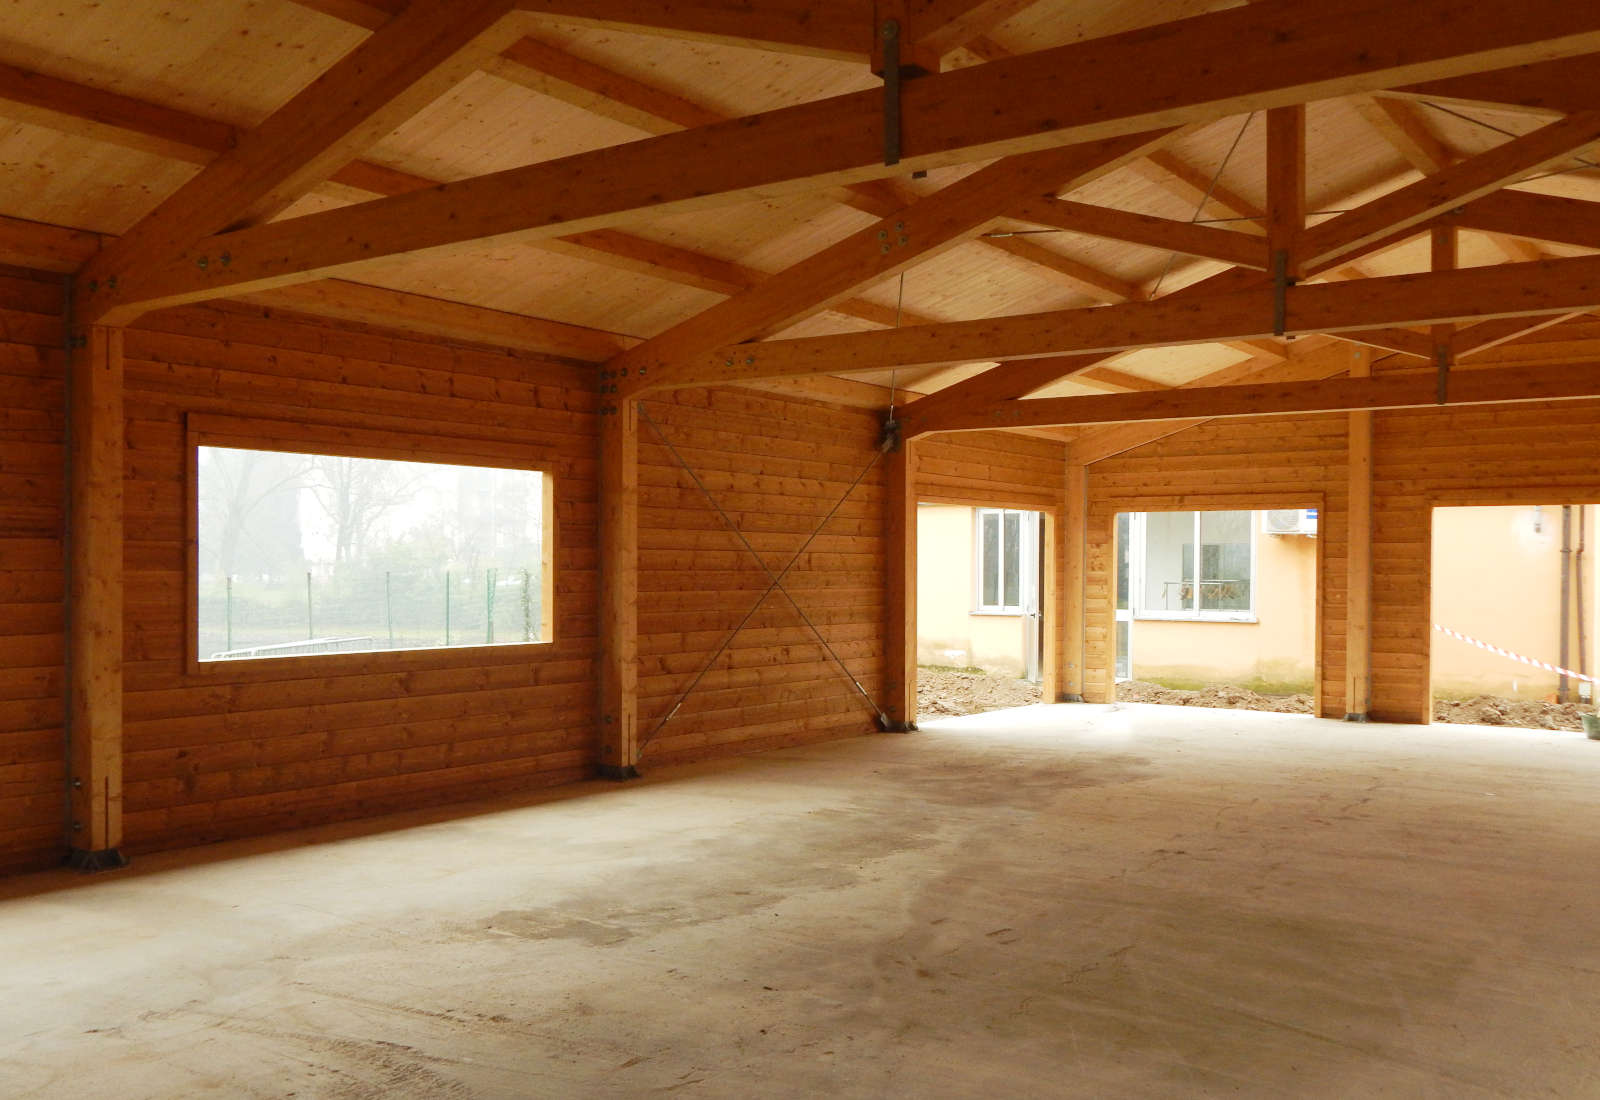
(301, 554)
(1007, 547)
(1194, 565)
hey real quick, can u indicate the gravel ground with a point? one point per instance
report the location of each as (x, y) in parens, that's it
(948, 691)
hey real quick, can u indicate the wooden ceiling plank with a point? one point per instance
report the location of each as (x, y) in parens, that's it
(1549, 286)
(1454, 186)
(1393, 391)
(1052, 97)
(1167, 234)
(367, 93)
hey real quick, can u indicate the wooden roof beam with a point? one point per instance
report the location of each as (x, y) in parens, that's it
(822, 28)
(1549, 286)
(924, 229)
(367, 93)
(1166, 234)
(839, 29)
(944, 25)
(1181, 179)
(1453, 186)
(1541, 217)
(1398, 122)
(1050, 98)
(1559, 87)
(439, 317)
(1393, 391)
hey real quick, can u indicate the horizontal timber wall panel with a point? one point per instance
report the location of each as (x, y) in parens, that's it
(241, 749)
(991, 469)
(32, 581)
(777, 467)
(1422, 459)
(1265, 463)
(1478, 456)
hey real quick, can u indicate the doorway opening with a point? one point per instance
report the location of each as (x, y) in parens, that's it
(1514, 616)
(980, 621)
(1217, 608)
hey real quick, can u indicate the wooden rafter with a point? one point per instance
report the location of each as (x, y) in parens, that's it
(1167, 234)
(1549, 286)
(1394, 391)
(380, 83)
(823, 28)
(924, 229)
(945, 25)
(1453, 186)
(1541, 217)
(1397, 121)
(1049, 98)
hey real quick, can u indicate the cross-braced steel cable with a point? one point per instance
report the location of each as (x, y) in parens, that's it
(774, 581)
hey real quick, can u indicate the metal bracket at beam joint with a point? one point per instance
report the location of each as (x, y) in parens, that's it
(892, 79)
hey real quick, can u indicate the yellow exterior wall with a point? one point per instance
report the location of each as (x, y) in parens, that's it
(1278, 651)
(948, 632)
(1497, 577)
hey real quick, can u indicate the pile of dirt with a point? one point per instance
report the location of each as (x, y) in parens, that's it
(945, 691)
(1495, 710)
(1226, 696)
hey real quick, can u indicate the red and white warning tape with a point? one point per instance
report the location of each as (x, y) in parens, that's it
(1546, 665)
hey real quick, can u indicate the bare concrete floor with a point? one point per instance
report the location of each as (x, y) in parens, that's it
(1058, 901)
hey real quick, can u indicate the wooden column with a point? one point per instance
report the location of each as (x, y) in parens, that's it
(95, 599)
(1064, 590)
(1286, 185)
(1358, 557)
(900, 549)
(619, 590)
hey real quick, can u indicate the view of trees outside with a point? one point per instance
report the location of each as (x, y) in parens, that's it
(319, 553)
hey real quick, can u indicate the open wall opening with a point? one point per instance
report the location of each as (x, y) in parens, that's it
(1514, 616)
(979, 608)
(1217, 608)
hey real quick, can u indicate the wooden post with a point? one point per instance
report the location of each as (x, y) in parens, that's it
(95, 598)
(1358, 557)
(1064, 590)
(619, 590)
(1286, 186)
(900, 549)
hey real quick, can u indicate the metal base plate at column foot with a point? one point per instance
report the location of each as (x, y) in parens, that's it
(891, 726)
(86, 862)
(1070, 699)
(1354, 717)
(618, 772)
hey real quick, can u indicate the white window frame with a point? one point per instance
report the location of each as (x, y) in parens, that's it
(1136, 576)
(1026, 566)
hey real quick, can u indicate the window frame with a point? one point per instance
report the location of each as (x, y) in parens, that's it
(1024, 575)
(343, 441)
(1136, 570)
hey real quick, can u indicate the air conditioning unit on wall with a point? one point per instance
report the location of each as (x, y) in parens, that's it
(1289, 521)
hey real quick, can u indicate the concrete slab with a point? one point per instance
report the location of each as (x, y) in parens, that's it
(1058, 901)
